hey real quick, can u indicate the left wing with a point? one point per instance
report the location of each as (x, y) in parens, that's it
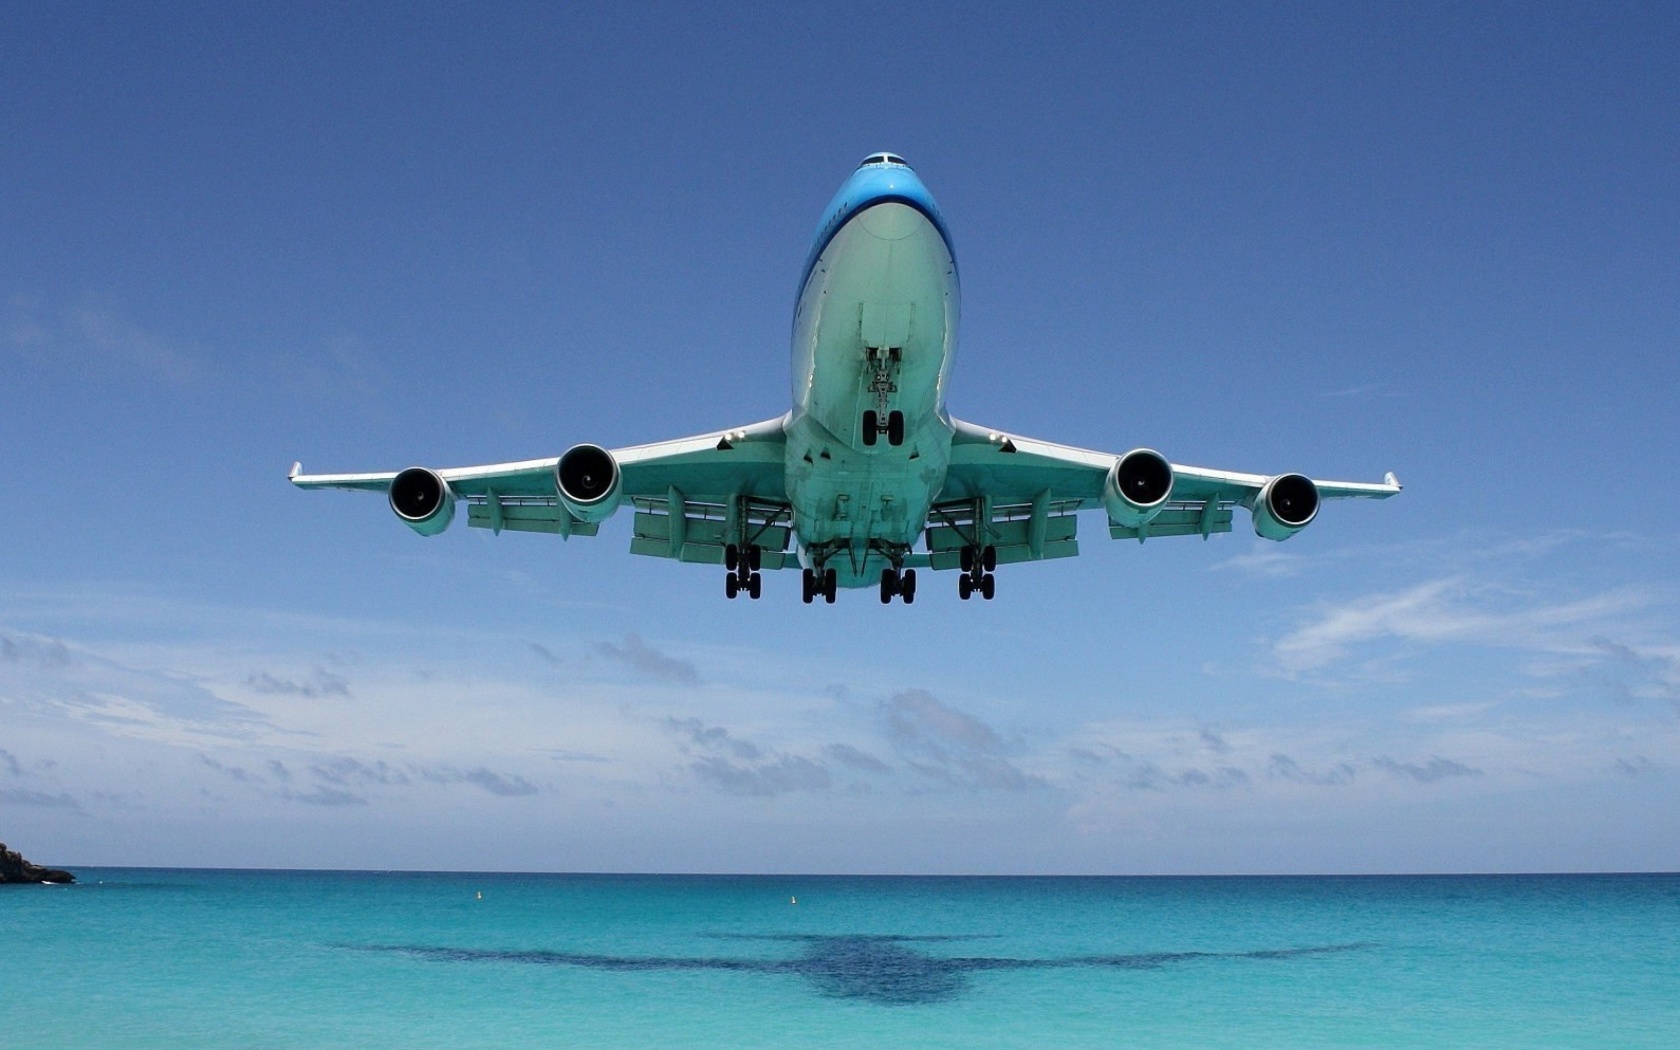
(1023, 494)
(693, 495)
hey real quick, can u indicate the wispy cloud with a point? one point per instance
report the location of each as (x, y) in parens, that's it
(644, 659)
(1437, 768)
(949, 745)
(1454, 610)
(741, 767)
(853, 758)
(1265, 561)
(507, 785)
(63, 801)
(777, 776)
(320, 682)
(98, 335)
(49, 675)
(324, 796)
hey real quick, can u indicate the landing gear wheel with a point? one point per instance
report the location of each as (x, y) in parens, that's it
(731, 557)
(731, 585)
(830, 585)
(907, 586)
(895, 428)
(755, 586)
(755, 557)
(871, 426)
(965, 586)
(889, 586)
(988, 558)
(967, 558)
(808, 585)
(988, 586)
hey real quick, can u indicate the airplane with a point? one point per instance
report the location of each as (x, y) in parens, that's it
(868, 462)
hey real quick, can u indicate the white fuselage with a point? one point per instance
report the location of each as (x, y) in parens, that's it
(874, 331)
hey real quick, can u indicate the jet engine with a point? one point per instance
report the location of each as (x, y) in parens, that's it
(1287, 504)
(589, 482)
(1137, 487)
(423, 500)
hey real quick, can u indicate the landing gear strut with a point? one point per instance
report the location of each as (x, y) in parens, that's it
(743, 566)
(883, 369)
(978, 564)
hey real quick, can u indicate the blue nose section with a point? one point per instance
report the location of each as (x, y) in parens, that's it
(869, 186)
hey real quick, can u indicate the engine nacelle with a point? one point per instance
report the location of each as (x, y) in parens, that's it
(589, 482)
(1287, 504)
(423, 500)
(1137, 487)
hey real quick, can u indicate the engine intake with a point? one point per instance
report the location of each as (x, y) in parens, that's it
(423, 500)
(1137, 487)
(1287, 504)
(589, 482)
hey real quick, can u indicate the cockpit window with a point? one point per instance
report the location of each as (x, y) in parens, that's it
(882, 158)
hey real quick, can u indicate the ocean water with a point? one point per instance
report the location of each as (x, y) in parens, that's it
(229, 959)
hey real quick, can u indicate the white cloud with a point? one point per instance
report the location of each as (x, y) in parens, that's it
(1456, 611)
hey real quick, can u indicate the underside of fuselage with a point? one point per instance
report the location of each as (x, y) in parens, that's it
(868, 440)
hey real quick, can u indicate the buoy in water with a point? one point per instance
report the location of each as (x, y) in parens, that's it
(480, 894)
(793, 900)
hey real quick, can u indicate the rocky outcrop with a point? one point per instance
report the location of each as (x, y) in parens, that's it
(13, 868)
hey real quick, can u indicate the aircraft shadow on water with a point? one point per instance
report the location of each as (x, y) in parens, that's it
(886, 969)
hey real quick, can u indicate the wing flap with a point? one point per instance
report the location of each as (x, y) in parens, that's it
(697, 531)
(516, 514)
(1201, 521)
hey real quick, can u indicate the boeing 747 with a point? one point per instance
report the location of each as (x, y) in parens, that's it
(867, 478)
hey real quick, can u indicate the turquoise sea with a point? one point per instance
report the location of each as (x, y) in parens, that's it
(187, 958)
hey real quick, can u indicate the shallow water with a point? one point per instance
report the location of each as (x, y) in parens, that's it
(179, 958)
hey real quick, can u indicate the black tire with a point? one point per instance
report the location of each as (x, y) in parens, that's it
(967, 558)
(965, 586)
(831, 585)
(895, 428)
(907, 586)
(731, 557)
(988, 586)
(871, 426)
(808, 585)
(988, 558)
(731, 585)
(755, 556)
(755, 586)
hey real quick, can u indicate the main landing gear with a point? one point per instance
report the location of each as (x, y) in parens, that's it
(899, 583)
(820, 581)
(743, 569)
(977, 576)
(893, 427)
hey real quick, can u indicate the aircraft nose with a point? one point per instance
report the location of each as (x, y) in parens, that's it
(892, 221)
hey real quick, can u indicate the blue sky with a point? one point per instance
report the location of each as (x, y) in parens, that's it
(1337, 238)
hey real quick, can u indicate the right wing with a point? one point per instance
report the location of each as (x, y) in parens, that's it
(1021, 495)
(693, 495)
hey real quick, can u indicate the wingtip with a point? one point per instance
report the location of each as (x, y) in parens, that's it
(1393, 482)
(297, 468)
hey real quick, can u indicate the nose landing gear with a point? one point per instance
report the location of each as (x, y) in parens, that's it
(893, 427)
